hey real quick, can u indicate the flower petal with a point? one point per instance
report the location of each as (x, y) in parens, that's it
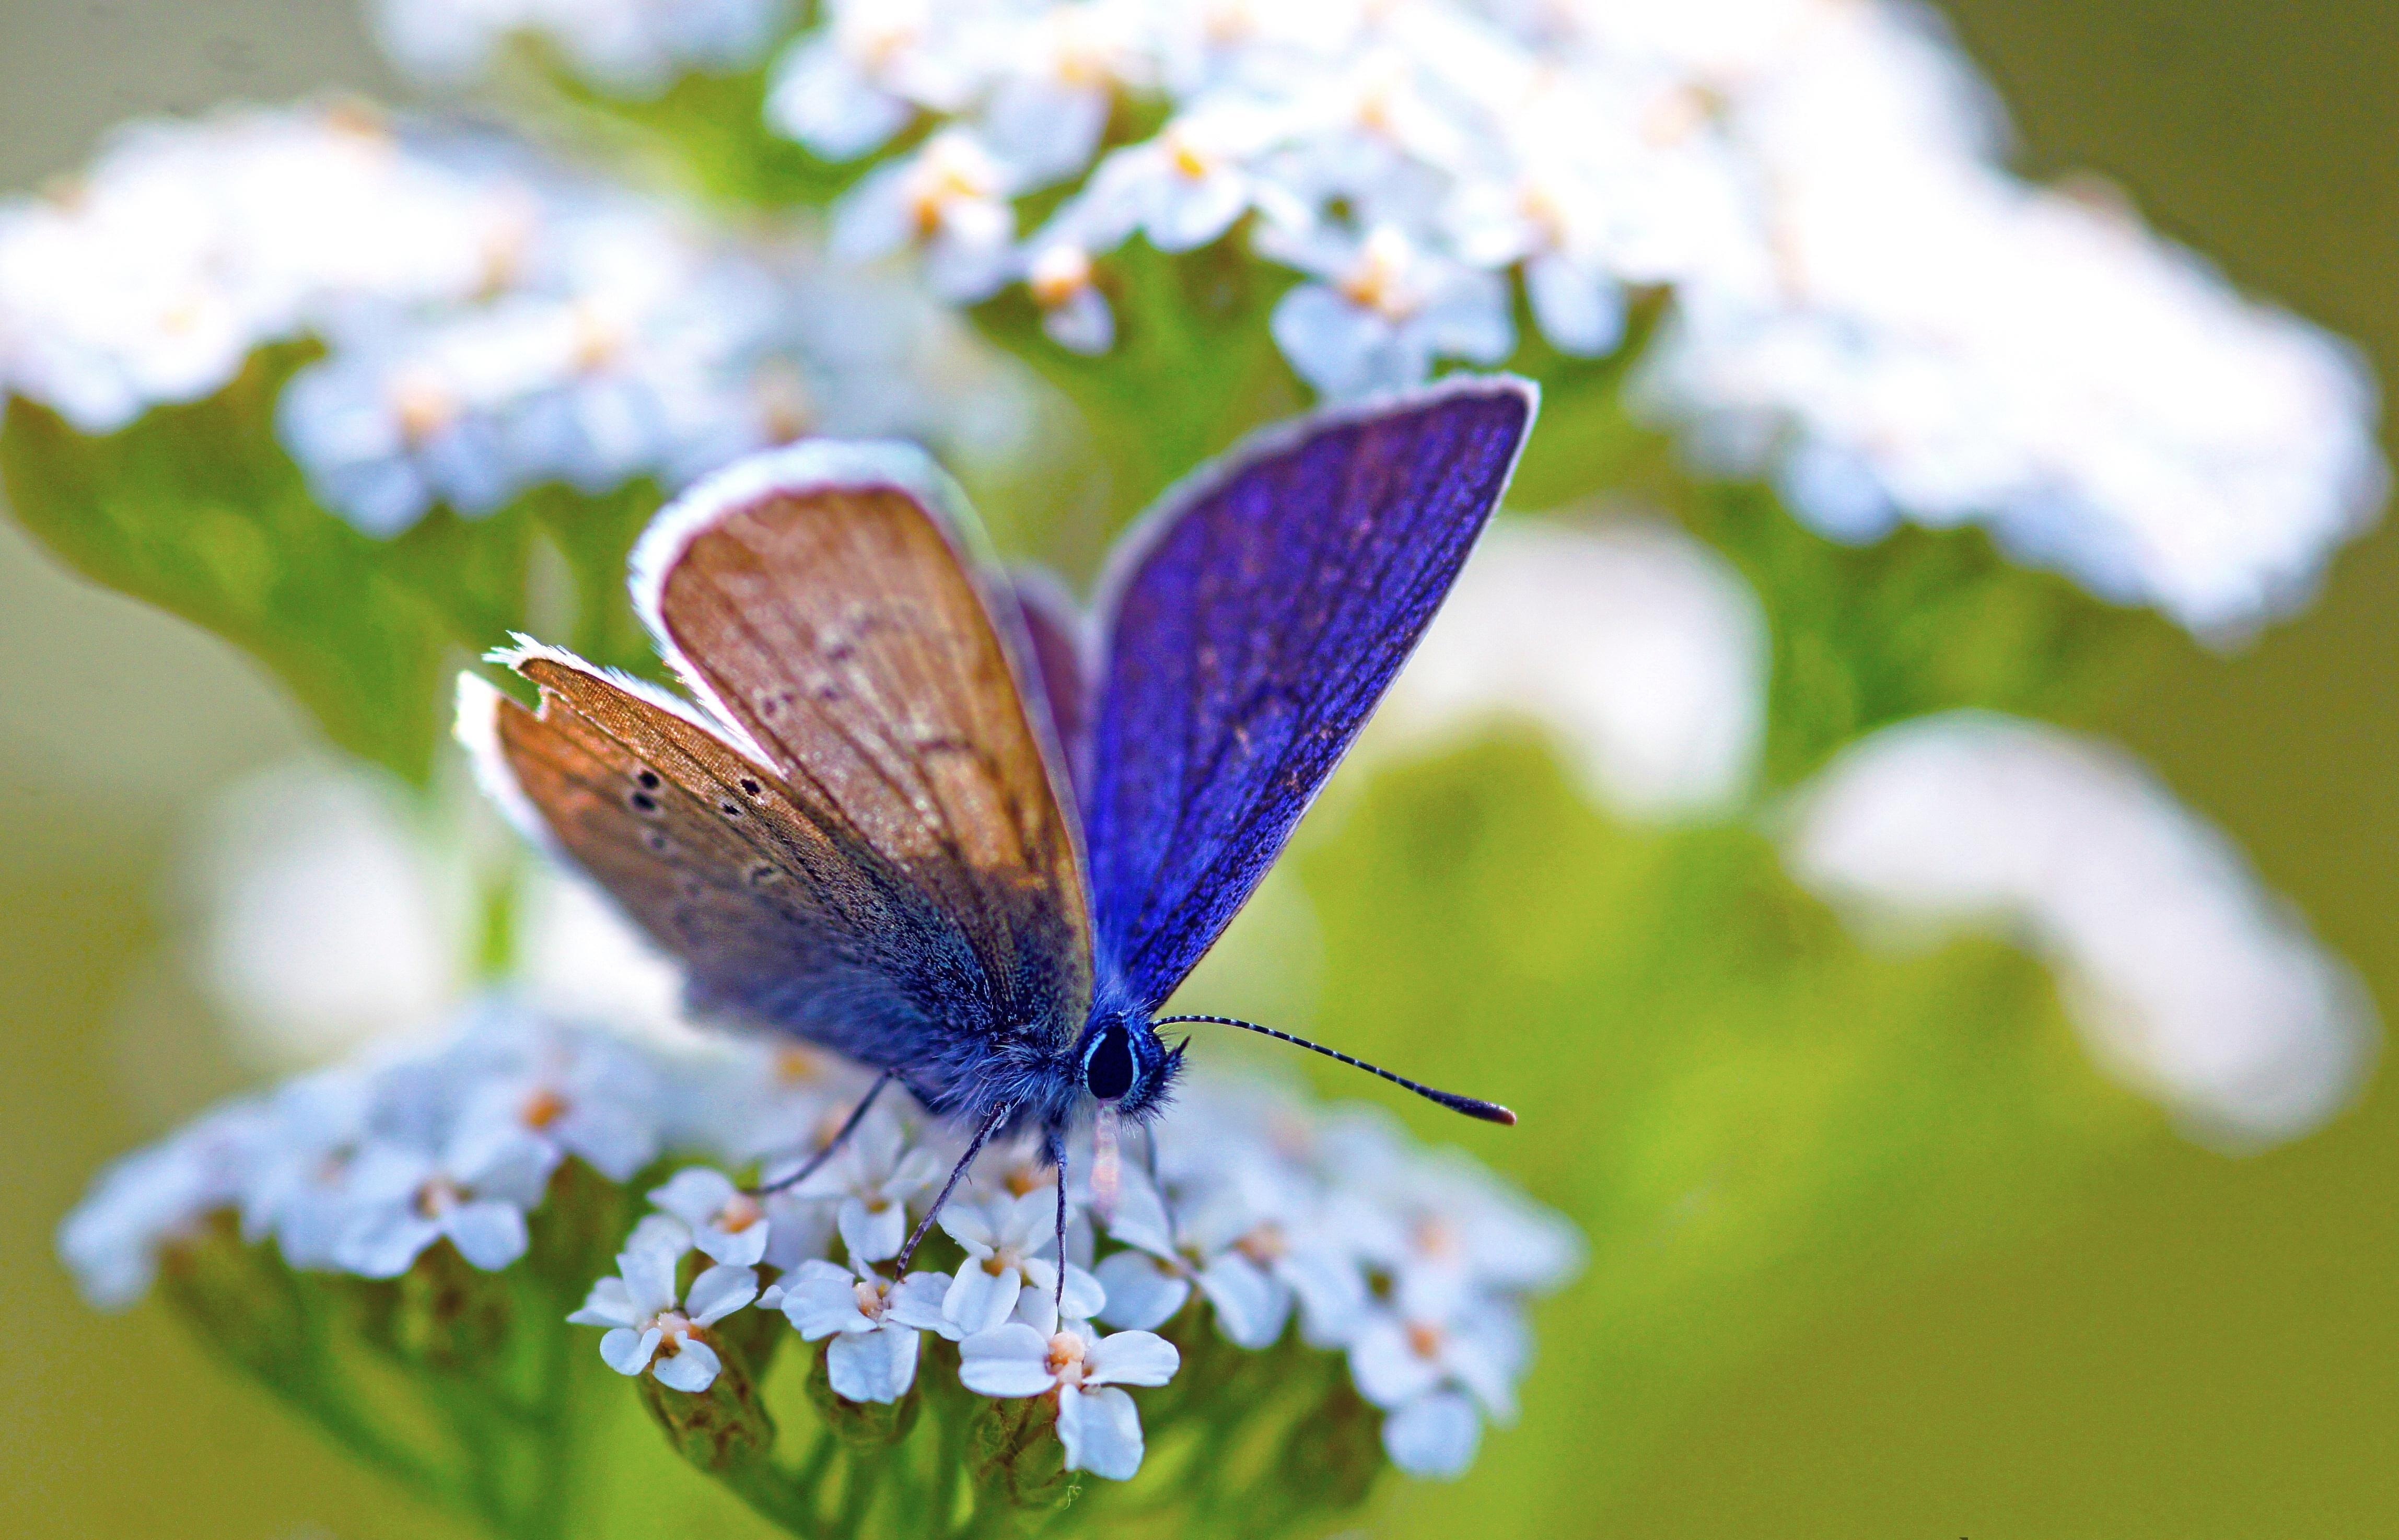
(628, 1351)
(1435, 1437)
(820, 1300)
(1142, 1293)
(694, 1193)
(1007, 1360)
(873, 1232)
(649, 1278)
(385, 1244)
(606, 1304)
(1131, 1357)
(1250, 1306)
(1102, 1431)
(917, 1302)
(660, 1233)
(1140, 1218)
(694, 1368)
(488, 1232)
(720, 1292)
(980, 1299)
(742, 1248)
(873, 1366)
(1084, 1294)
(1580, 311)
(1390, 1371)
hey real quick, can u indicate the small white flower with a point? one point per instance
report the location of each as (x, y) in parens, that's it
(1434, 1437)
(591, 1096)
(1056, 78)
(1183, 188)
(1006, 1239)
(1479, 1347)
(730, 1225)
(1074, 312)
(473, 1192)
(1446, 1231)
(653, 1326)
(874, 1176)
(948, 200)
(873, 1356)
(1386, 310)
(298, 1189)
(1097, 1421)
(846, 87)
(1543, 222)
(2187, 978)
(632, 47)
(1229, 1251)
(155, 1197)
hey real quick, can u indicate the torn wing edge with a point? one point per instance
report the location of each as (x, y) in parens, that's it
(477, 726)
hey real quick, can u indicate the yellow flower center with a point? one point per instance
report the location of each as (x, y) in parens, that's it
(1058, 273)
(1066, 1359)
(423, 404)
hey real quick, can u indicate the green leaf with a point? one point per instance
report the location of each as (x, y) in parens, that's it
(1748, 1112)
(705, 130)
(197, 508)
(1920, 621)
(1192, 371)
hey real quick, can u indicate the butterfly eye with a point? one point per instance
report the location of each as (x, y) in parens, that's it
(1108, 1068)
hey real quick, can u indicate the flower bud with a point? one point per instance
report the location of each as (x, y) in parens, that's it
(717, 1429)
(450, 1314)
(860, 1424)
(1014, 1455)
(574, 1235)
(240, 1297)
(1333, 1452)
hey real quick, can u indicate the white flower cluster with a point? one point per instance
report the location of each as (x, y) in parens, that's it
(490, 323)
(634, 48)
(2189, 982)
(1418, 1265)
(1868, 306)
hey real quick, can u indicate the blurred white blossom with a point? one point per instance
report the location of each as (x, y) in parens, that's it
(1866, 306)
(636, 47)
(490, 322)
(2188, 980)
(1637, 650)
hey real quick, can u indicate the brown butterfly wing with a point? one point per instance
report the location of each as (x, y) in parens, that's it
(840, 628)
(772, 915)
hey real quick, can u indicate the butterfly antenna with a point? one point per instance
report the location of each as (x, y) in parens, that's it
(1489, 1112)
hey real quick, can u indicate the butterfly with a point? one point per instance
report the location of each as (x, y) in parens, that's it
(929, 815)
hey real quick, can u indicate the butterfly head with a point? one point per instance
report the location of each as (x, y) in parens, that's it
(1125, 1065)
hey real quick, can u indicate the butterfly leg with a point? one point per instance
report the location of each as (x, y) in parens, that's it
(841, 1137)
(982, 1136)
(1057, 1143)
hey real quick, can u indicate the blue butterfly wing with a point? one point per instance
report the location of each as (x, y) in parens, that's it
(855, 833)
(1248, 631)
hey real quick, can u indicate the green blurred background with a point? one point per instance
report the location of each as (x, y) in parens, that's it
(2197, 1348)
